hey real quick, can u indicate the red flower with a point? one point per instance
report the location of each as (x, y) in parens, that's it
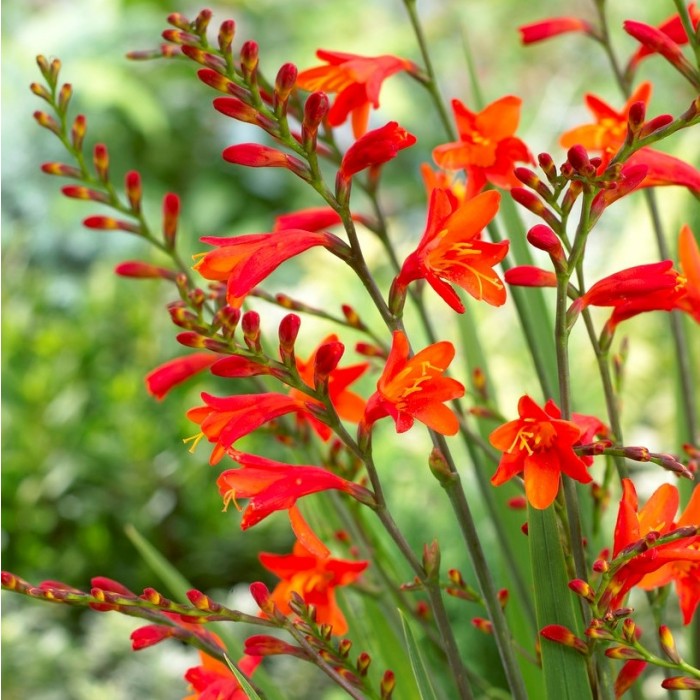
(374, 149)
(357, 81)
(487, 148)
(164, 377)
(213, 680)
(225, 420)
(607, 134)
(689, 255)
(591, 427)
(540, 445)
(547, 28)
(245, 261)
(530, 276)
(673, 28)
(315, 580)
(656, 516)
(273, 486)
(451, 251)
(415, 388)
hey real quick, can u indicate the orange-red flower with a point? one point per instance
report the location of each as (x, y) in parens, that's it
(213, 680)
(415, 388)
(487, 148)
(357, 80)
(245, 261)
(375, 148)
(540, 446)
(273, 486)
(655, 518)
(225, 420)
(547, 28)
(689, 255)
(608, 132)
(315, 580)
(451, 250)
(591, 427)
(684, 573)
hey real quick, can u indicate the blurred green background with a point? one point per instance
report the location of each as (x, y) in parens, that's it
(85, 450)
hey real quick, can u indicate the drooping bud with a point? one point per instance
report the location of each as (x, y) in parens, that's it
(255, 155)
(543, 238)
(267, 645)
(132, 184)
(40, 91)
(531, 201)
(101, 161)
(530, 276)
(583, 589)
(108, 223)
(48, 122)
(623, 653)
(182, 38)
(147, 636)
(61, 169)
(81, 192)
(179, 20)
(204, 57)
(564, 636)
(171, 212)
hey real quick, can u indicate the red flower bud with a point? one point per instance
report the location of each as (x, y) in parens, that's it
(171, 211)
(80, 192)
(543, 238)
(78, 132)
(530, 276)
(249, 57)
(261, 595)
(254, 155)
(563, 635)
(132, 183)
(226, 34)
(326, 360)
(149, 635)
(288, 332)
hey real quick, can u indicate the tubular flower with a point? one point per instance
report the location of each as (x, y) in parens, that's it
(273, 486)
(547, 28)
(591, 427)
(164, 377)
(540, 445)
(689, 255)
(225, 420)
(357, 80)
(451, 251)
(315, 580)
(245, 261)
(213, 680)
(415, 388)
(487, 148)
(673, 28)
(375, 148)
(684, 573)
(655, 518)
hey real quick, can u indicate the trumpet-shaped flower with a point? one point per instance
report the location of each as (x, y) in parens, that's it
(554, 26)
(213, 680)
(655, 518)
(357, 80)
(608, 132)
(245, 261)
(315, 580)
(451, 250)
(540, 446)
(225, 420)
(164, 377)
(414, 388)
(487, 148)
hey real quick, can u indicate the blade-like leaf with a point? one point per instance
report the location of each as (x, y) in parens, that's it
(425, 687)
(246, 687)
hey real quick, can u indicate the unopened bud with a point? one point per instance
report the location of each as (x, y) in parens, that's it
(226, 34)
(61, 169)
(132, 183)
(543, 238)
(261, 596)
(564, 636)
(583, 589)
(327, 358)
(250, 325)
(681, 683)
(431, 559)
(503, 596)
(440, 467)
(577, 156)
(546, 162)
(249, 58)
(40, 91)
(623, 653)
(108, 223)
(201, 21)
(171, 212)
(101, 161)
(315, 109)
(284, 84)
(147, 636)
(80, 192)
(178, 20)
(629, 630)
(48, 122)
(517, 503)
(64, 96)
(668, 644)
(387, 685)
(288, 332)
(483, 625)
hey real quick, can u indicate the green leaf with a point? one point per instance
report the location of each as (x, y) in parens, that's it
(565, 672)
(246, 687)
(425, 687)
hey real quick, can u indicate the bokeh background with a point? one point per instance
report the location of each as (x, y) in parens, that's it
(86, 452)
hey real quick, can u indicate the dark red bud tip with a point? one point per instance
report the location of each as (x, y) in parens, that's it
(527, 177)
(285, 81)
(288, 332)
(171, 212)
(578, 157)
(315, 109)
(543, 238)
(132, 184)
(327, 358)
(636, 115)
(202, 20)
(226, 34)
(178, 20)
(261, 596)
(249, 56)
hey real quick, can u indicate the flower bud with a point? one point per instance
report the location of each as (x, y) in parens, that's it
(288, 332)
(147, 636)
(80, 192)
(64, 96)
(250, 325)
(78, 132)
(108, 223)
(668, 644)
(431, 559)
(546, 162)
(531, 201)
(387, 685)
(681, 683)
(132, 183)
(564, 636)
(543, 238)
(249, 58)
(583, 589)
(171, 211)
(284, 84)
(48, 122)
(261, 595)
(226, 34)
(201, 21)
(178, 20)
(530, 276)
(483, 625)
(327, 358)
(202, 601)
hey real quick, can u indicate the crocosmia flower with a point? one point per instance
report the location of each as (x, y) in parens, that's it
(245, 261)
(541, 447)
(679, 558)
(487, 148)
(357, 81)
(213, 680)
(315, 580)
(554, 26)
(415, 388)
(689, 256)
(164, 377)
(451, 250)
